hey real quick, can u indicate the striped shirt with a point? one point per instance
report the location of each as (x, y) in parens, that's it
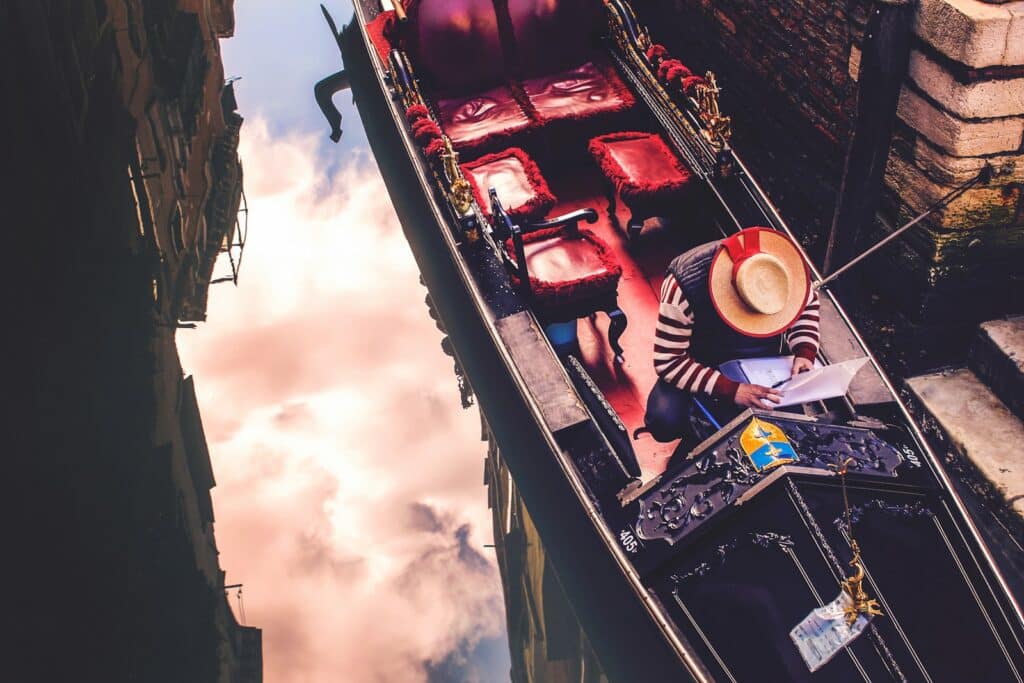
(672, 360)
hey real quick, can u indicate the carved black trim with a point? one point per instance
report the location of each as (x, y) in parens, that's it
(767, 540)
(905, 511)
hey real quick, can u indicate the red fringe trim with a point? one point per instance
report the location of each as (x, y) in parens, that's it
(496, 139)
(537, 207)
(381, 31)
(435, 146)
(656, 53)
(571, 297)
(690, 84)
(416, 112)
(425, 130)
(638, 190)
(671, 70)
(619, 87)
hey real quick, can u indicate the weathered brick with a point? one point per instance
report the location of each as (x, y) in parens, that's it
(976, 100)
(974, 33)
(957, 136)
(1015, 34)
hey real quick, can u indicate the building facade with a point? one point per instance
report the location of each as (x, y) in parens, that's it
(546, 642)
(123, 179)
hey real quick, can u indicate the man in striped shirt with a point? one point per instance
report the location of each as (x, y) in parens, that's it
(740, 298)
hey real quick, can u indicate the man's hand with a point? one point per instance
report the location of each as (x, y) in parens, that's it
(801, 365)
(756, 396)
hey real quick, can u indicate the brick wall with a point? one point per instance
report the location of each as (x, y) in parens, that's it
(784, 68)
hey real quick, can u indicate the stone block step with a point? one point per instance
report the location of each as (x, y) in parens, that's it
(979, 428)
(997, 358)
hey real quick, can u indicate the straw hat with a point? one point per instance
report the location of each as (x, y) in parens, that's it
(759, 282)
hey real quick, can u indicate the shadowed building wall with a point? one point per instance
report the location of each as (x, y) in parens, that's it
(123, 182)
(546, 641)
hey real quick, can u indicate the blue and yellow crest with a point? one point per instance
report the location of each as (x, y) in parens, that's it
(766, 445)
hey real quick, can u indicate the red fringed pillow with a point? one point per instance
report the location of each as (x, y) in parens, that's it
(528, 176)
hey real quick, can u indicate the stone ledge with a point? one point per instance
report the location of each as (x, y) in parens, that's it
(956, 136)
(997, 357)
(979, 427)
(974, 33)
(978, 100)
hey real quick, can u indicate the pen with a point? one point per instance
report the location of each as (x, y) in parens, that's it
(783, 381)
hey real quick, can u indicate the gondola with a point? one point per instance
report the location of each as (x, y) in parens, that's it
(847, 555)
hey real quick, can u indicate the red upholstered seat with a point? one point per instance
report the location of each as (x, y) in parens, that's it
(521, 188)
(476, 57)
(587, 90)
(569, 272)
(476, 120)
(644, 172)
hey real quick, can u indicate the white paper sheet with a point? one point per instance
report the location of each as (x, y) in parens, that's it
(820, 383)
(766, 371)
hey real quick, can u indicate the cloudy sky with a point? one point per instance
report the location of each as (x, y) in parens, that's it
(349, 499)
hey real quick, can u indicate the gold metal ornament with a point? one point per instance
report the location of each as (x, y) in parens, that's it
(854, 588)
(717, 128)
(460, 191)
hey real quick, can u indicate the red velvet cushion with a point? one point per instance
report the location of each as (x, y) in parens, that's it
(478, 119)
(582, 92)
(454, 44)
(641, 165)
(554, 36)
(521, 188)
(567, 273)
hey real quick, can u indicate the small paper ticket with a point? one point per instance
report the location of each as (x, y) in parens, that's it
(824, 632)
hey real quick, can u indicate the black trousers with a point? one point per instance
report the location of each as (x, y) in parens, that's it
(672, 414)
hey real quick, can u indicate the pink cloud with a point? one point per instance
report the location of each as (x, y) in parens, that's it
(349, 500)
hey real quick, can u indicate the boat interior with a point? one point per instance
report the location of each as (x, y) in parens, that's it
(564, 180)
(541, 114)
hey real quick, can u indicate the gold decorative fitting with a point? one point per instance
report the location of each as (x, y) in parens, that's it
(717, 128)
(854, 588)
(460, 192)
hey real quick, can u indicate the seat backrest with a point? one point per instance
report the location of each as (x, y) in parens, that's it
(454, 44)
(552, 35)
(457, 46)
